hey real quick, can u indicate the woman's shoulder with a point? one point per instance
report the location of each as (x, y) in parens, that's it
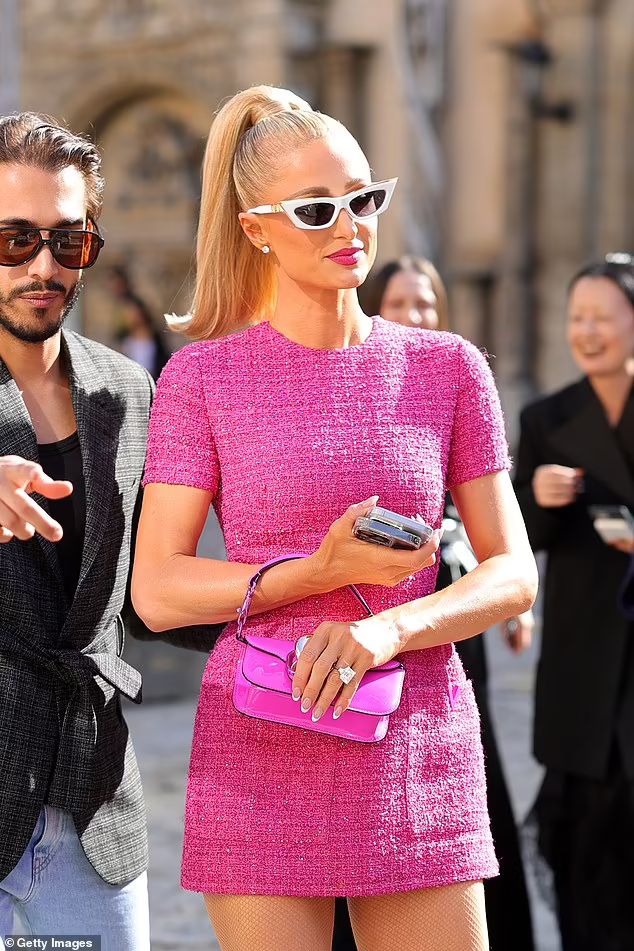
(200, 356)
(416, 338)
(442, 346)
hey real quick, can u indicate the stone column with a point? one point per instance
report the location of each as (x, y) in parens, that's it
(9, 56)
(572, 175)
(485, 181)
(259, 41)
(616, 220)
(343, 87)
(514, 320)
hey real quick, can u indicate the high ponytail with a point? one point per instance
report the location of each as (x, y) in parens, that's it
(235, 283)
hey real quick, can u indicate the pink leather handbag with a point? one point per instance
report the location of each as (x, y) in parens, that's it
(264, 678)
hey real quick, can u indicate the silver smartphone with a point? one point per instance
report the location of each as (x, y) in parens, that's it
(383, 527)
(612, 522)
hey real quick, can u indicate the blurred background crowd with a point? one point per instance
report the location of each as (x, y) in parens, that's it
(509, 124)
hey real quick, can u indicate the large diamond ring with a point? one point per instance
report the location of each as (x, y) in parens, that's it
(346, 674)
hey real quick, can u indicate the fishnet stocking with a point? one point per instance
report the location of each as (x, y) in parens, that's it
(265, 923)
(451, 918)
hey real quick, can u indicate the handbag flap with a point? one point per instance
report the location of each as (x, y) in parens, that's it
(264, 664)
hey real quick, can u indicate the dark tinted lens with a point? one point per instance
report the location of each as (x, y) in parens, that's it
(315, 213)
(68, 247)
(75, 249)
(368, 203)
(17, 245)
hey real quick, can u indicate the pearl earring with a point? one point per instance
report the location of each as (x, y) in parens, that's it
(265, 249)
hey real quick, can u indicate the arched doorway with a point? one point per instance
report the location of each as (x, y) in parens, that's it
(152, 144)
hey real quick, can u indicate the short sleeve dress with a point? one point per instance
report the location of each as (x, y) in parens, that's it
(284, 438)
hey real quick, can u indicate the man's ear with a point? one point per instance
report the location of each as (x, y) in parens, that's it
(254, 228)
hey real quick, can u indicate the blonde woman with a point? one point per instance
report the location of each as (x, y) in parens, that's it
(291, 407)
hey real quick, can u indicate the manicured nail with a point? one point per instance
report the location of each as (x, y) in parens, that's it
(296, 693)
(316, 714)
(306, 705)
(337, 713)
(371, 501)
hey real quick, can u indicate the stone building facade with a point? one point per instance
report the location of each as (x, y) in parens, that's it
(508, 122)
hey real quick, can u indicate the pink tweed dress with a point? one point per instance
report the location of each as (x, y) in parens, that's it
(284, 438)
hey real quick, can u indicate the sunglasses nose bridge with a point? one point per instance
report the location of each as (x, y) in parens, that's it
(38, 264)
(346, 220)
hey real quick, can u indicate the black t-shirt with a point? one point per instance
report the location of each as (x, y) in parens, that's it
(62, 460)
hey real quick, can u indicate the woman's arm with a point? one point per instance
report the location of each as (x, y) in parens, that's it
(503, 584)
(172, 587)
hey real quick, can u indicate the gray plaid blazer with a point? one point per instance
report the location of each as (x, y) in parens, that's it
(63, 739)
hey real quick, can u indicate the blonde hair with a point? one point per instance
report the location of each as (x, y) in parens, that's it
(235, 283)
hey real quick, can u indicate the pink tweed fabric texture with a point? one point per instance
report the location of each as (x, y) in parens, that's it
(284, 438)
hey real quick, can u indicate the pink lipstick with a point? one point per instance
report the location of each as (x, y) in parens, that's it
(349, 257)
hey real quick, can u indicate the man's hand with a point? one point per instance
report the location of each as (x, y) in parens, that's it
(20, 516)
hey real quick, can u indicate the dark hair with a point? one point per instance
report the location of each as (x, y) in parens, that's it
(119, 273)
(617, 267)
(132, 300)
(39, 141)
(371, 294)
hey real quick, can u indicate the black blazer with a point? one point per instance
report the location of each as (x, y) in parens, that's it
(585, 675)
(63, 740)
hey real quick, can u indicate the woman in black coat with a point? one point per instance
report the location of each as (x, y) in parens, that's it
(576, 451)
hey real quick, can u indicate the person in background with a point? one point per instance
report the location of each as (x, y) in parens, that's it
(136, 333)
(141, 341)
(119, 282)
(410, 291)
(576, 451)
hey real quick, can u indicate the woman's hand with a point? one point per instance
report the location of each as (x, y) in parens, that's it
(20, 516)
(556, 486)
(358, 645)
(518, 631)
(348, 560)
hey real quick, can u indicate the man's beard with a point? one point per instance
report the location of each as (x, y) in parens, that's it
(39, 328)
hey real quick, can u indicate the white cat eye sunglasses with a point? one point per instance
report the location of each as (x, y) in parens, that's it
(314, 214)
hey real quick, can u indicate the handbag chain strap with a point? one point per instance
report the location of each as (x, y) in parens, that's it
(243, 614)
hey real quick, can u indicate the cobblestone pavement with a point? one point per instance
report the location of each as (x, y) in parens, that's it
(162, 734)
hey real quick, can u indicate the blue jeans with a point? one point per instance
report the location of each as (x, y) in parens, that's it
(55, 890)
